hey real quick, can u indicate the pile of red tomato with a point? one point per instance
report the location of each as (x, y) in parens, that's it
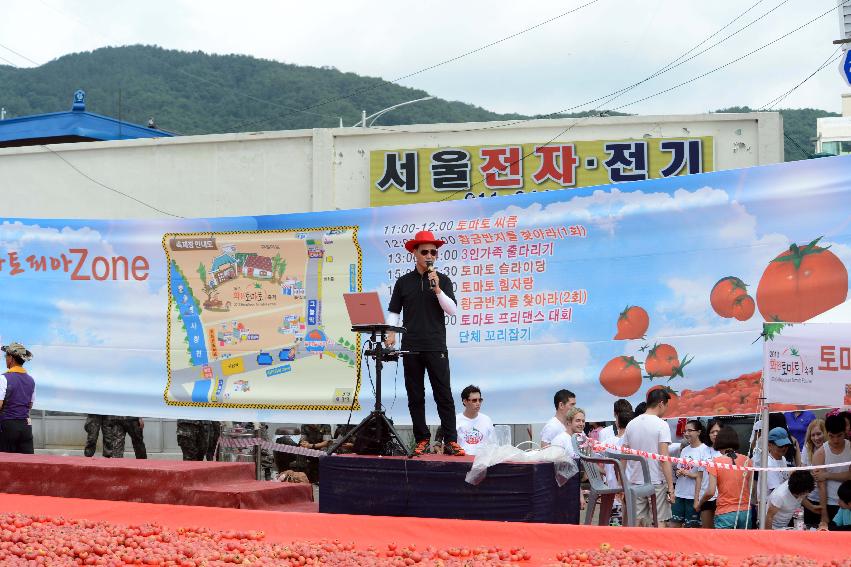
(42, 540)
(607, 556)
(791, 561)
(739, 395)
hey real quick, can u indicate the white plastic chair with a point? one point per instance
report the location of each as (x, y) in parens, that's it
(634, 491)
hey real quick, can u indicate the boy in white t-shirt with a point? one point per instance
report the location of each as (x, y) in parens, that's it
(564, 400)
(475, 429)
(787, 498)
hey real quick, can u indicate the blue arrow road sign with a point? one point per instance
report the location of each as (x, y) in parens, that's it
(845, 68)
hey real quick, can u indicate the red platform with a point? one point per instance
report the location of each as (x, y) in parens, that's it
(223, 485)
(542, 540)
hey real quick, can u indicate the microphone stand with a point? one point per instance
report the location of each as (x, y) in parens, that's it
(376, 417)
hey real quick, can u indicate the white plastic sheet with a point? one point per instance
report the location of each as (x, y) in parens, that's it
(491, 455)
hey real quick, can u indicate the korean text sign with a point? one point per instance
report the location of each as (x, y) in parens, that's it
(434, 174)
(809, 364)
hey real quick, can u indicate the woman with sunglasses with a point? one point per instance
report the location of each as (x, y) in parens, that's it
(423, 297)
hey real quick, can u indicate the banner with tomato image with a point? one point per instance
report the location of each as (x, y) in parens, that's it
(608, 291)
(808, 363)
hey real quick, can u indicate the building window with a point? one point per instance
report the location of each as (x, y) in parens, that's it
(837, 148)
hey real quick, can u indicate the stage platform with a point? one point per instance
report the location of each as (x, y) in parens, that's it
(224, 485)
(433, 486)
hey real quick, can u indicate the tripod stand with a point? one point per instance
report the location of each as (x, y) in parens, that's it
(376, 418)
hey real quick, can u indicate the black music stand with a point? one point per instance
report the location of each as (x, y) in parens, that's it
(376, 417)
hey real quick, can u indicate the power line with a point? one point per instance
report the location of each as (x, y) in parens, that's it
(21, 55)
(795, 143)
(614, 95)
(686, 82)
(777, 100)
(9, 62)
(424, 69)
(105, 186)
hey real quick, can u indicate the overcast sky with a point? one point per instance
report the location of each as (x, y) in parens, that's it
(602, 47)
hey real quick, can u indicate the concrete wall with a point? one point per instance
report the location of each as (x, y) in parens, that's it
(306, 170)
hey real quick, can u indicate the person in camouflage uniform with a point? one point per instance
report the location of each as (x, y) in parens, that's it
(92, 428)
(198, 438)
(116, 428)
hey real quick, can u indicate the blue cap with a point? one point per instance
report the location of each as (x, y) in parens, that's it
(779, 437)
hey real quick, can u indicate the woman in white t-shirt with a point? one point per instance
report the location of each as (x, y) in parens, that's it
(575, 419)
(707, 509)
(689, 479)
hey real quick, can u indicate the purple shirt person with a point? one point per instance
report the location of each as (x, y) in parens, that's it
(797, 423)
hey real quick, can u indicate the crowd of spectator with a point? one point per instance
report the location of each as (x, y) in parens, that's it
(688, 495)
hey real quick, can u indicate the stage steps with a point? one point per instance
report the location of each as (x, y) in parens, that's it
(224, 485)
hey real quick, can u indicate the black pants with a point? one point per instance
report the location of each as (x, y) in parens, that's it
(16, 436)
(437, 366)
(115, 432)
(813, 519)
(92, 428)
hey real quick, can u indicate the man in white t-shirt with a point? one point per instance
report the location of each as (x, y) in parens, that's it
(778, 444)
(649, 432)
(475, 429)
(787, 498)
(563, 400)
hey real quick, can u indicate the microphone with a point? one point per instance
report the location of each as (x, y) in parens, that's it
(430, 267)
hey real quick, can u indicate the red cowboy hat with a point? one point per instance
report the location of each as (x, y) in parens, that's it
(423, 237)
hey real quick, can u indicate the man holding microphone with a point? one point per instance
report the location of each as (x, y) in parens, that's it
(423, 296)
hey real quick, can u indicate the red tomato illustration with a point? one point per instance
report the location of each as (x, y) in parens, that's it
(632, 323)
(662, 360)
(801, 283)
(621, 376)
(724, 294)
(743, 307)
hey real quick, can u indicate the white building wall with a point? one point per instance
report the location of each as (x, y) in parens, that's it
(307, 170)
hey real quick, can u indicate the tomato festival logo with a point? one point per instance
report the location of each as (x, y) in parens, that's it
(788, 366)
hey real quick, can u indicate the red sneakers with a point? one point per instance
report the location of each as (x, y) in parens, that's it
(421, 448)
(454, 449)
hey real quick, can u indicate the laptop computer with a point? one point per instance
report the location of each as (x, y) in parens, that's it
(364, 308)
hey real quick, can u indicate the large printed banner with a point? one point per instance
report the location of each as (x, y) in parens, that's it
(808, 364)
(607, 291)
(401, 177)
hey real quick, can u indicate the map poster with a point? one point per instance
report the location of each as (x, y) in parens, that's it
(248, 325)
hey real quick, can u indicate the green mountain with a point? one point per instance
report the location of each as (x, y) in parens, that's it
(197, 93)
